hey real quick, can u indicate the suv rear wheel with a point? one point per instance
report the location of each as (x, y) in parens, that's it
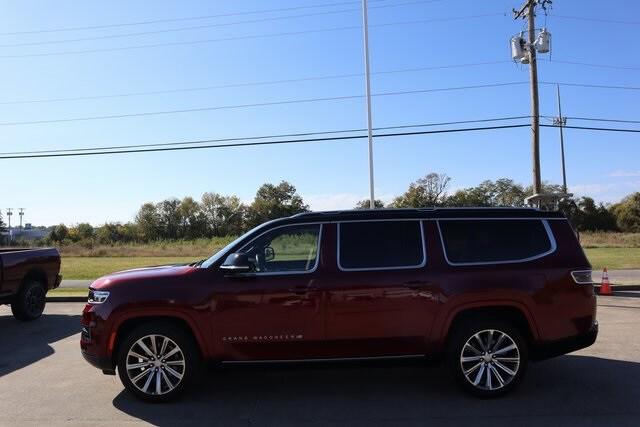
(30, 301)
(488, 358)
(156, 361)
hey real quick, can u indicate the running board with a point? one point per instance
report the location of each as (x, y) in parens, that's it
(320, 360)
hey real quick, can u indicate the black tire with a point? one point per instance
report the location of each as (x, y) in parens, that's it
(158, 367)
(30, 301)
(493, 374)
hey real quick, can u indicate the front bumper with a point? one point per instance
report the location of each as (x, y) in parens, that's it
(566, 345)
(104, 364)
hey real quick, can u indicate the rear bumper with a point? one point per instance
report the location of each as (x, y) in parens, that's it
(566, 345)
(57, 282)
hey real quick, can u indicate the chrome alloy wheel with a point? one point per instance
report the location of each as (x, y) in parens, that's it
(490, 359)
(155, 364)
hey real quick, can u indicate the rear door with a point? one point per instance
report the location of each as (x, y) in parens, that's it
(380, 299)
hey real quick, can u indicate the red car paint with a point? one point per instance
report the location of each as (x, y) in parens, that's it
(331, 313)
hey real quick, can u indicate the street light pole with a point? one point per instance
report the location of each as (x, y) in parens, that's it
(365, 29)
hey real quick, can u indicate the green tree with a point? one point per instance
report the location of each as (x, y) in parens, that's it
(170, 218)
(82, 231)
(148, 222)
(59, 233)
(225, 215)
(364, 204)
(274, 201)
(627, 213)
(193, 222)
(592, 217)
(428, 191)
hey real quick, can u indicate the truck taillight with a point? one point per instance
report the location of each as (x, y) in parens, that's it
(582, 277)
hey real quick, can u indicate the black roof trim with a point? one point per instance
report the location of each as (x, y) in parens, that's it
(426, 213)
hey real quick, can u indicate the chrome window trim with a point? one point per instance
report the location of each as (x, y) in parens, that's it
(287, 273)
(403, 267)
(552, 249)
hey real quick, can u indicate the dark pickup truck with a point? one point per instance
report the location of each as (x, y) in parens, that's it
(25, 277)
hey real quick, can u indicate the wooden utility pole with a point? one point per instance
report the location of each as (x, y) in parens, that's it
(528, 10)
(561, 121)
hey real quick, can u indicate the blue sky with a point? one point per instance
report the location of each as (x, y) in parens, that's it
(328, 175)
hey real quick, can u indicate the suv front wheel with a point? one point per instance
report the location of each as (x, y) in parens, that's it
(156, 361)
(488, 358)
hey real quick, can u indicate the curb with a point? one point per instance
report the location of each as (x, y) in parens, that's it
(67, 299)
(618, 288)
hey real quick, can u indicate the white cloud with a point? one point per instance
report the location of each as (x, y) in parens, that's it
(623, 173)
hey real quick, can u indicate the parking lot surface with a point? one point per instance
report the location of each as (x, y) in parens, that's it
(45, 381)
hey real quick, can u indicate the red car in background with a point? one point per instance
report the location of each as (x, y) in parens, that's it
(486, 289)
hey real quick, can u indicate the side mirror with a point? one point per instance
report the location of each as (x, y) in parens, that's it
(236, 263)
(269, 253)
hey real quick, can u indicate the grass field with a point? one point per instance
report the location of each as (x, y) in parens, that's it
(613, 258)
(89, 268)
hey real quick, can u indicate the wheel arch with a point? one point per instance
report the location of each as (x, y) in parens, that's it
(36, 274)
(513, 312)
(128, 324)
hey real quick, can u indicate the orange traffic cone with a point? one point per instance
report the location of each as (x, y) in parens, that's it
(605, 286)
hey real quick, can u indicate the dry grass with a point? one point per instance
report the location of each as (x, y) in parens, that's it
(199, 248)
(601, 239)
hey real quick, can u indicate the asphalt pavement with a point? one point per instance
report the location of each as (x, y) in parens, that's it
(45, 381)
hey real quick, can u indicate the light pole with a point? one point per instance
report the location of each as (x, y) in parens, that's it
(365, 30)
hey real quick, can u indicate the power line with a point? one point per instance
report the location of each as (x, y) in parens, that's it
(595, 128)
(215, 25)
(258, 83)
(603, 20)
(245, 144)
(596, 119)
(191, 18)
(250, 138)
(246, 37)
(253, 105)
(592, 85)
(587, 64)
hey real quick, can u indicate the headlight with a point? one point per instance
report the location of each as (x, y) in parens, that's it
(97, 297)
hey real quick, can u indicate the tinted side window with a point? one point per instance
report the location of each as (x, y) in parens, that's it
(493, 240)
(285, 249)
(380, 244)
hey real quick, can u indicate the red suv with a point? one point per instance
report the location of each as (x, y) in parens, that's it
(487, 289)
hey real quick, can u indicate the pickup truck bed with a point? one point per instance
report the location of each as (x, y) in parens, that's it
(26, 275)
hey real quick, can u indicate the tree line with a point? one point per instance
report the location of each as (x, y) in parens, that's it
(216, 215)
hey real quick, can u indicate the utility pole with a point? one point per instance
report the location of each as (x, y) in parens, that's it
(528, 10)
(21, 214)
(365, 29)
(9, 213)
(561, 122)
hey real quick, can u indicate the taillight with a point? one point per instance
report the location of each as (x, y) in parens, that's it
(582, 277)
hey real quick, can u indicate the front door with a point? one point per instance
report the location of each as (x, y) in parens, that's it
(275, 311)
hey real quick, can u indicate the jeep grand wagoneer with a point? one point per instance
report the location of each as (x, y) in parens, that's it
(486, 289)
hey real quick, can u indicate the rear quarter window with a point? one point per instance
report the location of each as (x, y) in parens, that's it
(494, 241)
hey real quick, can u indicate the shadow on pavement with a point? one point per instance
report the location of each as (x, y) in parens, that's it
(24, 343)
(399, 393)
